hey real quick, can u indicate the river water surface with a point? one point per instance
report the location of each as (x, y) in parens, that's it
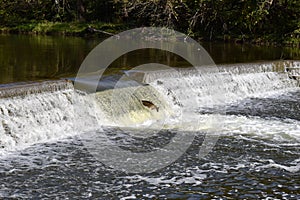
(30, 58)
(43, 152)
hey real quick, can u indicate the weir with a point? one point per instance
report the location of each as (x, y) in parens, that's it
(147, 76)
(37, 111)
(24, 89)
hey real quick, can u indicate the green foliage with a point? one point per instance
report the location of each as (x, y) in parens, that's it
(273, 20)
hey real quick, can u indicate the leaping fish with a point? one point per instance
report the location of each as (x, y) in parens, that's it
(150, 105)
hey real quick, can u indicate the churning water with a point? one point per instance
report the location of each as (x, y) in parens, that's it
(253, 108)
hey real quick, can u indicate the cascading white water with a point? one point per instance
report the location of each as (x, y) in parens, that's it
(42, 114)
(224, 88)
(230, 84)
(50, 110)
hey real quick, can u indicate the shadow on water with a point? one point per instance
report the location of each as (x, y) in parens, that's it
(32, 58)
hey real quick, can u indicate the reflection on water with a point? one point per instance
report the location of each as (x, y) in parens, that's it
(30, 58)
(237, 53)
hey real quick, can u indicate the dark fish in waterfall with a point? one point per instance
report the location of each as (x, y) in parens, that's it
(150, 105)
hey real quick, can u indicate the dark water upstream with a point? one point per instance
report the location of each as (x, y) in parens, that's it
(253, 109)
(30, 58)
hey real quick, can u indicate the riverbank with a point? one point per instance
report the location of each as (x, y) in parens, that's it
(61, 28)
(81, 29)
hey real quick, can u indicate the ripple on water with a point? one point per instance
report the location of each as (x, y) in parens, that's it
(237, 168)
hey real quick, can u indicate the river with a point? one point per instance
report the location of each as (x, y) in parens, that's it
(248, 108)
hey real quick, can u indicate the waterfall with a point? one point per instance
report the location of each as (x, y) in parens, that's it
(52, 109)
(40, 112)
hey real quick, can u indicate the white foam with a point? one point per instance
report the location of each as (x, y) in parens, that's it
(193, 179)
(293, 167)
(35, 118)
(256, 127)
(43, 117)
(209, 90)
(129, 197)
